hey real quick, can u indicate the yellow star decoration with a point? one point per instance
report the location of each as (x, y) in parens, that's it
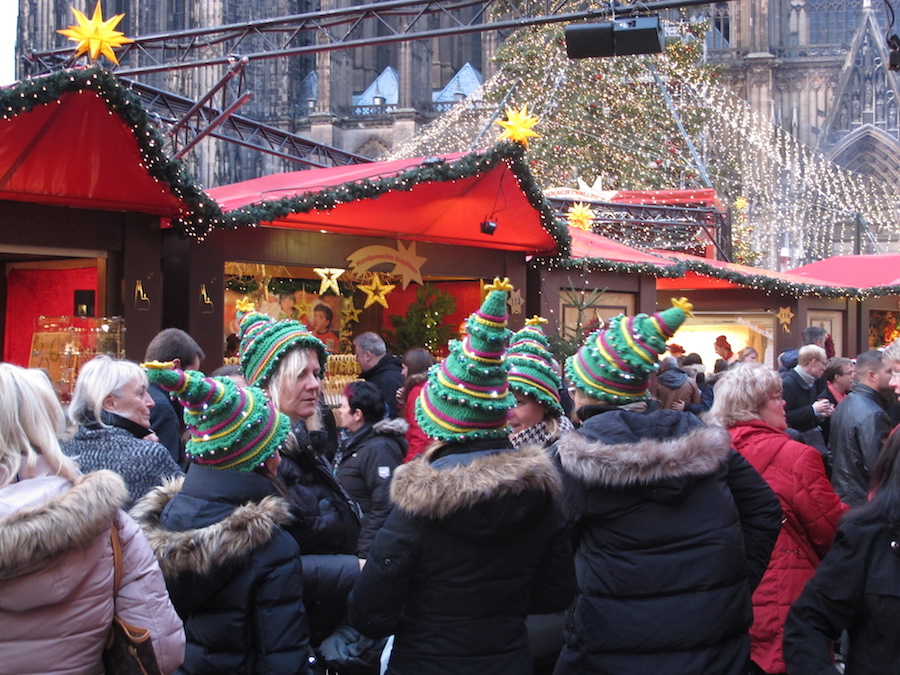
(498, 285)
(245, 305)
(303, 306)
(349, 312)
(581, 216)
(517, 125)
(376, 291)
(785, 316)
(96, 36)
(684, 305)
(329, 277)
(516, 301)
(535, 321)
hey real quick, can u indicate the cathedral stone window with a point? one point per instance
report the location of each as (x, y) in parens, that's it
(833, 21)
(720, 30)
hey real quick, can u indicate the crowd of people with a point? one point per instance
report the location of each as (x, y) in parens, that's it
(494, 512)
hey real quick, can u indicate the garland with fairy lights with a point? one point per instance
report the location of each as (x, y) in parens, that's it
(250, 285)
(431, 170)
(30, 93)
(677, 269)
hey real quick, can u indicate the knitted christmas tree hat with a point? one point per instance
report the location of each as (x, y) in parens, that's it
(467, 395)
(615, 363)
(531, 365)
(231, 427)
(264, 341)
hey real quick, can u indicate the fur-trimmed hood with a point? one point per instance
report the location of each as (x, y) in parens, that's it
(41, 518)
(441, 490)
(626, 457)
(391, 427)
(199, 551)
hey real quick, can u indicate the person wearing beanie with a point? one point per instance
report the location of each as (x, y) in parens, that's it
(223, 535)
(537, 418)
(287, 361)
(673, 529)
(476, 539)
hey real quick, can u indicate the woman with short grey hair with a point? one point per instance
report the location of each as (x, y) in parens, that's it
(111, 407)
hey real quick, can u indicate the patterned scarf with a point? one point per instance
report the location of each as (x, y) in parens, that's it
(541, 434)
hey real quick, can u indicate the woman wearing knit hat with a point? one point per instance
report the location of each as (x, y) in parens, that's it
(673, 529)
(476, 539)
(537, 417)
(287, 361)
(223, 535)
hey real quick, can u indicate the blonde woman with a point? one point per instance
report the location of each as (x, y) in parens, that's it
(56, 556)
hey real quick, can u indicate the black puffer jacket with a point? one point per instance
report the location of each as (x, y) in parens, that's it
(233, 571)
(329, 519)
(859, 426)
(673, 529)
(475, 541)
(364, 465)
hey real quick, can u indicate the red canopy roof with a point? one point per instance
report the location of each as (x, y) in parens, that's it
(861, 271)
(590, 245)
(447, 210)
(75, 152)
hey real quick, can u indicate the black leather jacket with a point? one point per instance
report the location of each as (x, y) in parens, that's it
(859, 427)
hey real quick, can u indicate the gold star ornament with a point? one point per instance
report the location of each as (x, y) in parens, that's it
(96, 36)
(376, 292)
(329, 277)
(517, 125)
(580, 215)
(349, 312)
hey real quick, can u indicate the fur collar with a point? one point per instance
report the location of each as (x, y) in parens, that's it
(421, 490)
(69, 519)
(698, 452)
(391, 427)
(247, 528)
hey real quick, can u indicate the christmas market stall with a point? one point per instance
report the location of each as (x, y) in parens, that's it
(878, 281)
(400, 248)
(84, 191)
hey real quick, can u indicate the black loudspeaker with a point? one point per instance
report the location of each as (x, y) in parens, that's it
(637, 35)
(586, 40)
(84, 303)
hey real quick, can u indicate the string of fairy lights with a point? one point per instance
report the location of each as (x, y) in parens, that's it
(608, 119)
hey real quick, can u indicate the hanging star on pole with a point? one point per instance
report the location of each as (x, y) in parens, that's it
(349, 312)
(96, 36)
(517, 125)
(329, 277)
(376, 292)
(580, 215)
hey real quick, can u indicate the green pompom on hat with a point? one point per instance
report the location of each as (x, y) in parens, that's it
(615, 363)
(531, 365)
(264, 341)
(232, 427)
(467, 395)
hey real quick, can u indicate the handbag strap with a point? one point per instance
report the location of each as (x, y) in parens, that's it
(117, 557)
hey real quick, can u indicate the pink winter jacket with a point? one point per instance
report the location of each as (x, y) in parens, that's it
(56, 577)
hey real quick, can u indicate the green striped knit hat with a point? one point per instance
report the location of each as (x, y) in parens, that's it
(264, 341)
(467, 395)
(231, 427)
(531, 365)
(615, 363)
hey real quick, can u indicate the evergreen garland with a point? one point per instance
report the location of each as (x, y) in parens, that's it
(204, 212)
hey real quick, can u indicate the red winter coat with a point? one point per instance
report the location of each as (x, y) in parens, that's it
(811, 510)
(416, 439)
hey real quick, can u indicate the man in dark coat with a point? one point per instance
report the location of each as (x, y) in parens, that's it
(673, 529)
(380, 368)
(859, 427)
(174, 346)
(805, 410)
